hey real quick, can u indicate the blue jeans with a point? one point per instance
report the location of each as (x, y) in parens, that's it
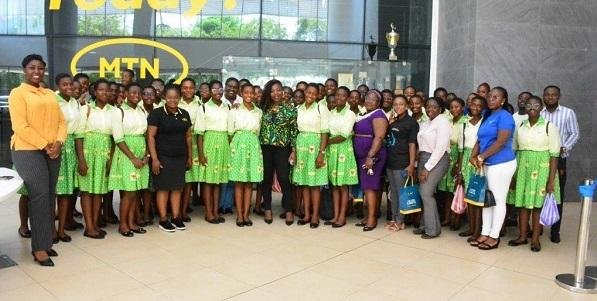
(227, 195)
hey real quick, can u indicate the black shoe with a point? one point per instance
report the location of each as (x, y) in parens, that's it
(516, 243)
(52, 253)
(338, 225)
(248, 223)
(167, 226)
(328, 223)
(128, 233)
(268, 221)
(65, 238)
(289, 223)
(220, 210)
(212, 221)
(55, 240)
(45, 263)
(313, 225)
(240, 223)
(97, 236)
(139, 231)
(302, 222)
(186, 219)
(102, 232)
(418, 231)
(368, 228)
(536, 248)
(178, 224)
(221, 220)
(555, 238)
(361, 224)
(282, 215)
(427, 236)
(25, 234)
(74, 226)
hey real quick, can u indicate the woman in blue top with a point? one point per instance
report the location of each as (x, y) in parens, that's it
(493, 152)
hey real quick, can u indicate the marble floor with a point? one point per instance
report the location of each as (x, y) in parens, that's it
(267, 262)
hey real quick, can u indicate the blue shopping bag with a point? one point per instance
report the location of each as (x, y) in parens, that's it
(410, 198)
(475, 190)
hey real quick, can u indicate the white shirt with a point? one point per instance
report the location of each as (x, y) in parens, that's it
(313, 119)
(518, 119)
(129, 121)
(237, 100)
(565, 119)
(96, 120)
(470, 134)
(243, 119)
(191, 107)
(72, 113)
(434, 138)
(211, 117)
(341, 123)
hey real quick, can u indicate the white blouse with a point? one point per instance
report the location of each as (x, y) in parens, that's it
(243, 119)
(96, 120)
(313, 119)
(434, 138)
(191, 107)
(129, 121)
(470, 134)
(211, 117)
(341, 123)
(72, 113)
(539, 137)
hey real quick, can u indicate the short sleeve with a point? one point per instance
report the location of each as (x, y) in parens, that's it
(80, 130)
(187, 118)
(117, 127)
(553, 136)
(231, 120)
(199, 127)
(324, 126)
(505, 122)
(154, 118)
(414, 131)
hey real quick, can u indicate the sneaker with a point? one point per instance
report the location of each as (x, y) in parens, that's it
(167, 226)
(178, 224)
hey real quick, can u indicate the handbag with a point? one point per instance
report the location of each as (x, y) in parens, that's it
(489, 199)
(410, 198)
(549, 212)
(476, 189)
(458, 203)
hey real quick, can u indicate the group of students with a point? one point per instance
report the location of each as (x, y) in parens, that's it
(157, 144)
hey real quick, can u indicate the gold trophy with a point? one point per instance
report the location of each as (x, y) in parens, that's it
(392, 38)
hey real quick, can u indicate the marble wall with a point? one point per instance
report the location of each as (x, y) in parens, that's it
(524, 45)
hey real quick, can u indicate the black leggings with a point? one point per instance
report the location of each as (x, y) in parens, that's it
(275, 158)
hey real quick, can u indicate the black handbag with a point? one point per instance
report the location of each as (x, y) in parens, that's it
(489, 199)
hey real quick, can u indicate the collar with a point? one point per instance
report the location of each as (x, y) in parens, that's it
(540, 121)
(174, 114)
(544, 110)
(195, 100)
(212, 103)
(343, 111)
(106, 107)
(33, 89)
(303, 106)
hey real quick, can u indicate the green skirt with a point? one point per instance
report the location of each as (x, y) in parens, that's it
(67, 176)
(468, 169)
(246, 160)
(304, 172)
(532, 177)
(193, 174)
(217, 152)
(342, 165)
(96, 150)
(447, 182)
(123, 174)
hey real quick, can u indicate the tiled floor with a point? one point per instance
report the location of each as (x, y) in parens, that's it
(267, 262)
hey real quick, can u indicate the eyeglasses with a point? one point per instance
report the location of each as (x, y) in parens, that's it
(148, 94)
(532, 106)
(217, 90)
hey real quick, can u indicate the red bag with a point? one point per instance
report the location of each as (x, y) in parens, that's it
(458, 203)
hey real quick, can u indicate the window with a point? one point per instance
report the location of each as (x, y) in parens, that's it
(24, 17)
(106, 21)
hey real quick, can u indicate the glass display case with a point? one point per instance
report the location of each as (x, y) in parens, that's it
(351, 73)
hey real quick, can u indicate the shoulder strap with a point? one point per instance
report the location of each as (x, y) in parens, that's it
(88, 110)
(547, 128)
(121, 113)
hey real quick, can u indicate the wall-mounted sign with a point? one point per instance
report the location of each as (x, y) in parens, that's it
(195, 6)
(114, 65)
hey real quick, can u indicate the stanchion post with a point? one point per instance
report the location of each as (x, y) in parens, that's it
(579, 282)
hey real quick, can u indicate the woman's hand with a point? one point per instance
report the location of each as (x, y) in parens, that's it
(423, 174)
(156, 166)
(455, 170)
(410, 170)
(138, 163)
(292, 158)
(108, 166)
(550, 187)
(319, 162)
(83, 167)
(189, 162)
(55, 150)
(369, 162)
(202, 159)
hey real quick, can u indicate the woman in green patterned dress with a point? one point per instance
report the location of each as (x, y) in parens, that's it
(67, 177)
(447, 184)
(537, 143)
(246, 160)
(93, 142)
(466, 141)
(129, 172)
(342, 165)
(310, 170)
(191, 103)
(214, 150)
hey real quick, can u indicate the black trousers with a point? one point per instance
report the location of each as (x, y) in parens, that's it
(40, 174)
(555, 228)
(275, 159)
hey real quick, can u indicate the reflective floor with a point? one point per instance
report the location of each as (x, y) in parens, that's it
(267, 262)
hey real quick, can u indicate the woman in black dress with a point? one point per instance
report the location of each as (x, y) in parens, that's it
(169, 142)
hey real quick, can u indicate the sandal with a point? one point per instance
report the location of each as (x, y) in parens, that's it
(485, 246)
(465, 233)
(397, 227)
(477, 242)
(25, 234)
(390, 224)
